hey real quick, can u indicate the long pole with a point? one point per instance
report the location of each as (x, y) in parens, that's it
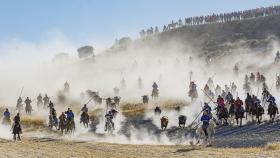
(21, 92)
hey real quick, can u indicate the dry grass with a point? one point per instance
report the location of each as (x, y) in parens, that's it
(271, 147)
(32, 122)
(95, 114)
(60, 148)
(133, 110)
(172, 104)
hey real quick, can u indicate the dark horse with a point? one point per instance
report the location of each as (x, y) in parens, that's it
(157, 111)
(223, 115)
(155, 94)
(272, 110)
(257, 111)
(84, 119)
(182, 121)
(239, 115)
(164, 122)
(17, 131)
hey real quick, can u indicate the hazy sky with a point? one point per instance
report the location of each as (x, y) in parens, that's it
(101, 21)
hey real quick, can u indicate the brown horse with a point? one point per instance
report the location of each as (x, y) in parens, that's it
(164, 122)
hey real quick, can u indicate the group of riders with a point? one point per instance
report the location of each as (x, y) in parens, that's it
(227, 107)
(215, 18)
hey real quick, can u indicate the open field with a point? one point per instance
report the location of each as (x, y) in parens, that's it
(58, 148)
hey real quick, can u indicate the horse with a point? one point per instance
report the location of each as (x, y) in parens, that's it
(248, 107)
(145, 99)
(272, 110)
(84, 119)
(117, 100)
(28, 109)
(17, 131)
(53, 122)
(157, 111)
(6, 121)
(201, 135)
(114, 112)
(108, 126)
(70, 127)
(155, 94)
(62, 125)
(223, 115)
(257, 111)
(19, 107)
(164, 122)
(239, 115)
(193, 94)
(182, 121)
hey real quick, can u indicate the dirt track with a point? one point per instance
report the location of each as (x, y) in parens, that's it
(32, 148)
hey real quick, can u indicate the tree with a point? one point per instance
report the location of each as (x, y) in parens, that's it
(85, 52)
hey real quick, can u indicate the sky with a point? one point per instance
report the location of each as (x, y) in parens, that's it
(100, 22)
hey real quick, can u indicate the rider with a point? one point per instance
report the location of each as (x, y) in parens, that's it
(205, 119)
(70, 115)
(61, 118)
(39, 99)
(28, 102)
(227, 89)
(19, 103)
(252, 77)
(233, 87)
(221, 103)
(218, 90)
(51, 106)
(207, 108)
(84, 111)
(53, 115)
(265, 93)
(109, 119)
(238, 104)
(7, 114)
(140, 84)
(155, 86)
(46, 100)
(229, 97)
(17, 122)
(272, 102)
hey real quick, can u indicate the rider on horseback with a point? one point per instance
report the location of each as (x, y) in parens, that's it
(53, 115)
(155, 86)
(221, 103)
(252, 77)
(70, 115)
(62, 119)
(205, 120)
(265, 94)
(39, 100)
(207, 108)
(218, 90)
(238, 105)
(46, 100)
(19, 104)
(272, 103)
(17, 127)
(7, 114)
(109, 119)
(84, 112)
(51, 106)
(229, 97)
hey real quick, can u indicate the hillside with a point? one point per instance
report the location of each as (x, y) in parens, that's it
(213, 38)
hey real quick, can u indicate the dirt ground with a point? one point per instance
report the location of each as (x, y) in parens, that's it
(39, 148)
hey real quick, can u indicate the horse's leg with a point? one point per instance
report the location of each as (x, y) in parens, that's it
(15, 137)
(241, 121)
(19, 137)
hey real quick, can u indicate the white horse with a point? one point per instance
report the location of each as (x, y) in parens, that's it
(202, 138)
